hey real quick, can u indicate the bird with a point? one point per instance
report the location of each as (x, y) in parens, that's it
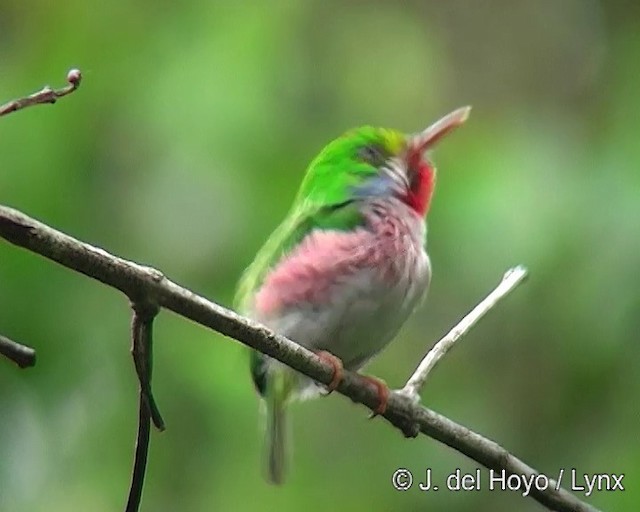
(346, 267)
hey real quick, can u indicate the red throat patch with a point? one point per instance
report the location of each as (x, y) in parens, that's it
(422, 180)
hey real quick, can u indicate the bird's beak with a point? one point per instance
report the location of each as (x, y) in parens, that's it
(424, 140)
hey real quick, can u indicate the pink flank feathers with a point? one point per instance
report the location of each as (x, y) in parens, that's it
(391, 245)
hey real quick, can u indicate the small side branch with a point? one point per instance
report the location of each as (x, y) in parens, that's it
(141, 334)
(512, 278)
(46, 95)
(20, 354)
(142, 352)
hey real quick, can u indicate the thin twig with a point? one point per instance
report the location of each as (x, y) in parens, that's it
(46, 95)
(20, 354)
(140, 460)
(142, 351)
(136, 281)
(141, 335)
(512, 278)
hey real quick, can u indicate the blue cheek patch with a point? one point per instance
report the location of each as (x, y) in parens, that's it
(379, 185)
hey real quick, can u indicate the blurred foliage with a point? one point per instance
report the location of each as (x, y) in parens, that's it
(183, 148)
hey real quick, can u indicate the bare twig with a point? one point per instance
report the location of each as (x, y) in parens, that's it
(138, 281)
(20, 354)
(142, 352)
(512, 278)
(141, 334)
(140, 459)
(46, 95)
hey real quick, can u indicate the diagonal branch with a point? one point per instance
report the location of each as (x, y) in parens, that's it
(46, 95)
(512, 278)
(143, 282)
(20, 354)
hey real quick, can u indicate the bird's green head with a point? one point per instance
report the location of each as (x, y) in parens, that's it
(377, 162)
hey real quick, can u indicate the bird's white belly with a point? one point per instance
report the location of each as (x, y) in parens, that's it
(363, 315)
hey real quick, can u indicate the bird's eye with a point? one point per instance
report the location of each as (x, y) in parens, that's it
(371, 154)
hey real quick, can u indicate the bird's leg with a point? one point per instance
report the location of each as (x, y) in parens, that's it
(383, 394)
(336, 364)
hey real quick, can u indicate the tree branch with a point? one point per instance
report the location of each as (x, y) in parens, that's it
(141, 283)
(141, 335)
(20, 354)
(512, 278)
(46, 95)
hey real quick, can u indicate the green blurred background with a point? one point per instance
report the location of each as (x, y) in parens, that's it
(183, 149)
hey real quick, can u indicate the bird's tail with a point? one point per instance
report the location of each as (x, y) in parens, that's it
(276, 442)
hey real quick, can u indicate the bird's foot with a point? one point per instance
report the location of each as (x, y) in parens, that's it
(383, 394)
(336, 364)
